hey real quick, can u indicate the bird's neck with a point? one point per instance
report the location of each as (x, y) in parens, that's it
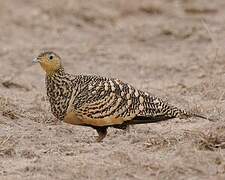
(54, 80)
(58, 72)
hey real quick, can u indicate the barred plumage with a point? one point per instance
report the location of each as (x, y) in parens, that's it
(101, 102)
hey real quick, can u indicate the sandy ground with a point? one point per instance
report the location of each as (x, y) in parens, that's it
(171, 48)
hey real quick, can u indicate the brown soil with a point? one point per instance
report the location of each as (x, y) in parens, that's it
(173, 49)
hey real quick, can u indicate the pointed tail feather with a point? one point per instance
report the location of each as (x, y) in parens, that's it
(184, 114)
(202, 117)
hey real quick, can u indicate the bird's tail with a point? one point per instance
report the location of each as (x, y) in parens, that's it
(174, 112)
(146, 119)
(184, 115)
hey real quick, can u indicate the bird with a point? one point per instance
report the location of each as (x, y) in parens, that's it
(101, 102)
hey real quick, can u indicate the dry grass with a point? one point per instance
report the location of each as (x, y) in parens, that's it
(160, 141)
(8, 109)
(199, 7)
(212, 139)
(41, 112)
(6, 147)
(11, 84)
(152, 8)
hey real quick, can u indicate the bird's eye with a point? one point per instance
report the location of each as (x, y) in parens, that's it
(50, 57)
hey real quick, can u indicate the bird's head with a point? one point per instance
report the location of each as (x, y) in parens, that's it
(49, 61)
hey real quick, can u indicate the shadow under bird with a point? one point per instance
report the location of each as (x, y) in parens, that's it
(100, 102)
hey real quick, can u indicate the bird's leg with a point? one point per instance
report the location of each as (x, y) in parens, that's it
(102, 132)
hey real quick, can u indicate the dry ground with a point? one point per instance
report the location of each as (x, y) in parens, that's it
(172, 48)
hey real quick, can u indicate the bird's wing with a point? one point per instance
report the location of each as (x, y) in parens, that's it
(106, 102)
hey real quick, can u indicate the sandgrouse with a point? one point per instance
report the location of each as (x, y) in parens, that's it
(101, 102)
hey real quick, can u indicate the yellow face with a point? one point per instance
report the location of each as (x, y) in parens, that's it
(49, 61)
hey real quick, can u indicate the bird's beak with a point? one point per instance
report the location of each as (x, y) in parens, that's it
(35, 60)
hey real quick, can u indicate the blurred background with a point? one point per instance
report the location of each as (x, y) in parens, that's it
(171, 48)
(116, 38)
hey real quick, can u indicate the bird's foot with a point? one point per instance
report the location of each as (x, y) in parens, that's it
(102, 132)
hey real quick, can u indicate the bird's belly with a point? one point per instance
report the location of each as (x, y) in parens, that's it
(76, 119)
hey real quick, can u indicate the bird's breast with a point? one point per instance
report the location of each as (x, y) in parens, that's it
(59, 97)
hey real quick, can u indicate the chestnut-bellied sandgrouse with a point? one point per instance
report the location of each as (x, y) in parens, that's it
(101, 102)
